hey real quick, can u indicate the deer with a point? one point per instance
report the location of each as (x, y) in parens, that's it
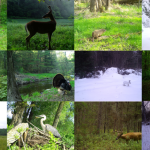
(41, 27)
(132, 135)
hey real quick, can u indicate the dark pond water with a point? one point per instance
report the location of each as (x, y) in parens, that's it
(59, 21)
(35, 87)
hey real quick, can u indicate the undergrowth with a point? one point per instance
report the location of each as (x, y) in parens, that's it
(62, 38)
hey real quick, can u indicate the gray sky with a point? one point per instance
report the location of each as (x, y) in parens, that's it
(3, 114)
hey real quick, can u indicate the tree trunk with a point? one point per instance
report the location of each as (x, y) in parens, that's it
(18, 113)
(12, 90)
(93, 5)
(59, 110)
(100, 6)
(107, 4)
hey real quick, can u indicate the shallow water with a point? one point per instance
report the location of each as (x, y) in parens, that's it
(35, 87)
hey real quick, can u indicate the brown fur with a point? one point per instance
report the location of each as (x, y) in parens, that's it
(132, 135)
(41, 27)
(97, 33)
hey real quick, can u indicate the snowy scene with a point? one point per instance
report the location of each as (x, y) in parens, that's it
(145, 125)
(110, 83)
(146, 25)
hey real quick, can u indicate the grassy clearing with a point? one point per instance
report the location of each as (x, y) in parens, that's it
(106, 142)
(122, 25)
(40, 76)
(3, 142)
(62, 38)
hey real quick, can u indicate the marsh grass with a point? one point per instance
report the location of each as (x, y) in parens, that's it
(62, 38)
(3, 142)
(122, 24)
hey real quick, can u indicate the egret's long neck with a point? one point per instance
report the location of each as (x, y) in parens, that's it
(42, 125)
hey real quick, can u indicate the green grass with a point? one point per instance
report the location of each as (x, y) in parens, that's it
(40, 76)
(3, 25)
(3, 37)
(122, 25)
(47, 95)
(26, 79)
(3, 142)
(106, 142)
(62, 38)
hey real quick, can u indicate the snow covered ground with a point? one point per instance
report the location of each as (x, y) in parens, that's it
(109, 87)
(145, 137)
(146, 38)
(145, 27)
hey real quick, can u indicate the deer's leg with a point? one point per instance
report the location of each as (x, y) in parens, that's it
(49, 38)
(28, 39)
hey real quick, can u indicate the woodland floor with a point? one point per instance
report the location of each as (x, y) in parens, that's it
(146, 90)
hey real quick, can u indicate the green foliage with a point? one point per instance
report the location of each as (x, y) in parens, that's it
(123, 29)
(3, 37)
(66, 120)
(9, 127)
(3, 72)
(72, 83)
(36, 94)
(28, 9)
(46, 95)
(145, 75)
(3, 12)
(62, 38)
(52, 144)
(26, 79)
(3, 87)
(3, 25)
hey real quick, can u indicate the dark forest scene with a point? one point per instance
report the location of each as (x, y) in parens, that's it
(3, 76)
(40, 75)
(145, 75)
(108, 25)
(108, 76)
(40, 25)
(145, 124)
(108, 125)
(3, 25)
(40, 125)
(3, 125)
